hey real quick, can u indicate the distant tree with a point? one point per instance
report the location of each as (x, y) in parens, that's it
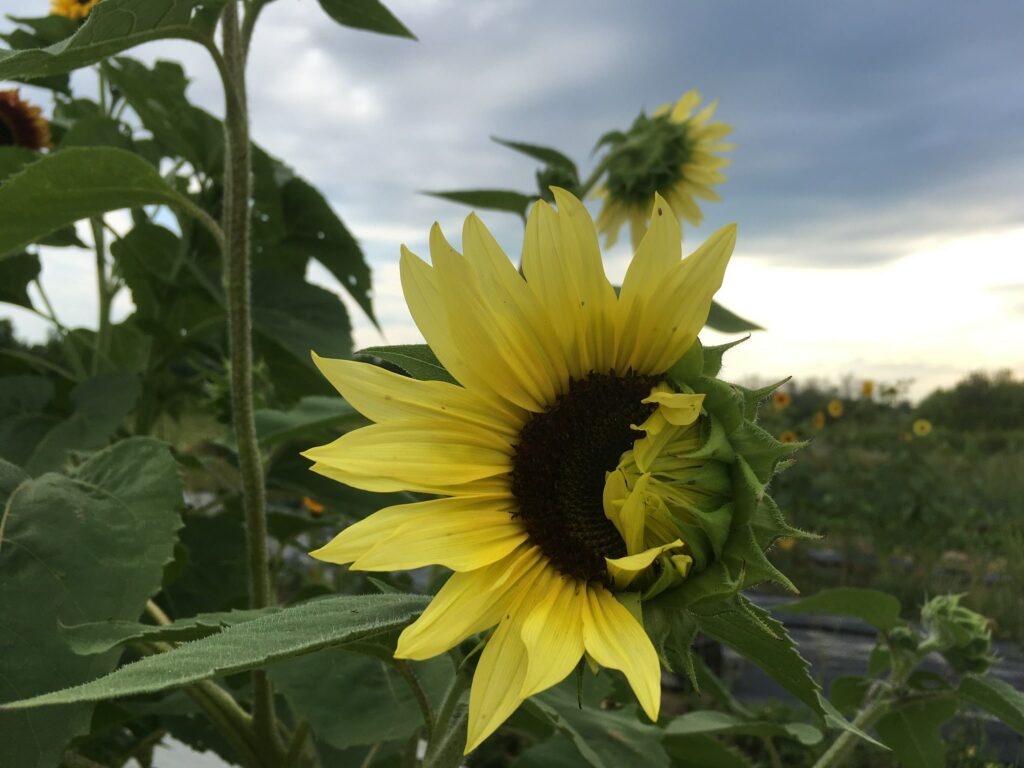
(982, 401)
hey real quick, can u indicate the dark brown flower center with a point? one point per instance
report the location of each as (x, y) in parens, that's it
(559, 467)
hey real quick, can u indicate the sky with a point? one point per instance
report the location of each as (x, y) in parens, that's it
(876, 181)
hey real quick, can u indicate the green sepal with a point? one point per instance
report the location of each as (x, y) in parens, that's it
(713, 356)
(689, 367)
(722, 400)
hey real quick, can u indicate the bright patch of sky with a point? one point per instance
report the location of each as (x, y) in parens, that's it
(876, 181)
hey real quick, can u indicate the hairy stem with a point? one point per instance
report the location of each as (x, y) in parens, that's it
(237, 191)
(876, 704)
(421, 697)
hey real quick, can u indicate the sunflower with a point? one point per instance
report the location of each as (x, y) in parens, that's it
(819, 420)
(867, 389)
(72, 9)
(781, 400)
(671, 153)
(922, 427)
(22, 124)
(835, 408)
(789, 436)
(578, 463)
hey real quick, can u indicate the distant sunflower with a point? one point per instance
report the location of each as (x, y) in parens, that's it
(819, 420)
(789, 436)
(672, 153)
(922, 427)
(72, 9)
(22, 124)
(867, 389)
(569, 468)
(835, 408)
(781, 400)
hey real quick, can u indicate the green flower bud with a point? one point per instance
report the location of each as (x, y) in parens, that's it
(963, 637)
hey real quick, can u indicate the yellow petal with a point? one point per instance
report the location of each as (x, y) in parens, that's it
(468, 603)
(614, 639)
(686, 104)
(629, 517)
(498, 680)
(462, 540)
(362, 536)
(500, 352)
(415, 455)
(659, 251)
(679, 306)
(624, 569)
(381, 395)
(682, 563)
(678, 408)
(553, 633)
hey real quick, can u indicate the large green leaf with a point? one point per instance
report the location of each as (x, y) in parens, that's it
(300, 317)
(16, 273)
(702, 752)
(914, 732)
(101, 636)
(75, 184)
(23, 417)
(112, 26)
(879, 609)
(76, 549)
(489, 199)
(13, 159)
(755, 635)
(300, 629)
(370, 15)
(713, 722)
(352, 699)
(417, 360)
(101, 404)
(308, 416)
(604, 738)
(995, 697)
(158, 97)
(726, 321)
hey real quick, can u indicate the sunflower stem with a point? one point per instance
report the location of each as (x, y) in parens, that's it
(421, 697)
(237, 283)
(103, 288)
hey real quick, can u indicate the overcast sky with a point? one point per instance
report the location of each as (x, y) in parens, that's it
(876, 182)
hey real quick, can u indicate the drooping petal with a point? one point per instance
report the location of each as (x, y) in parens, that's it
(463, 541)
(624, 569)
(361, 537)
(614, 639)
(553, 634)
(381, 395)
(415, 455)
(629, 516)
(468, 603)
(678, 408)
(497, 683)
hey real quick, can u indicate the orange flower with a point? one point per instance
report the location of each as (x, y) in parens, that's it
(789, 436)
(72, 9)
(315, 507)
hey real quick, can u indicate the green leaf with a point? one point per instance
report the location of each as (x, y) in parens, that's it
(13, 159)
(879, 609)
(722, 319)
(709, 722)
(377, 704)
(23, 421)
(370, 15)
(756, 636)
(489, 199)
(76, 549)
(310, 415)
(74, 184)
(102, 636)
(111, 27)
(556, 752)
(538, 152)
(417, 360)
(158, 97)
(702, 752)
(292, 631)
(16, 272)
(300, 317)
(96, 132)
(101, 404)
(314, 230)
(605, 739)
(995, 697)
(913, 732)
